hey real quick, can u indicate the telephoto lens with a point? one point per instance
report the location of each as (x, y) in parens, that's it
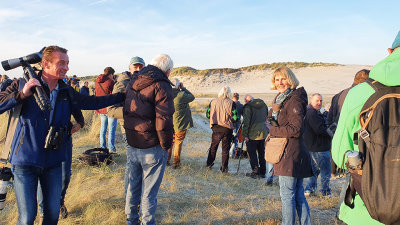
(5, 183)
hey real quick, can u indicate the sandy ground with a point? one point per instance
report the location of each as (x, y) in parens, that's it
(325, 80)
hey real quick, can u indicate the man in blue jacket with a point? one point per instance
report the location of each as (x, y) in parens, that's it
(31, 161)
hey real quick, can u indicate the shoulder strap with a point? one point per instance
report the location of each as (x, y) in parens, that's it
(12, 125)
(103, 89)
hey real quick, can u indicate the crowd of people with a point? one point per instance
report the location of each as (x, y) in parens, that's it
(155, 117)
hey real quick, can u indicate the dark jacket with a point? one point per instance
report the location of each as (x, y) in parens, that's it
(5, 83)
(295, 160)
(27, 148)
(84, 91)
(148, 110)
(336, 106)
(316, 137)
(255, 114)
(182, 115)
(103, 86)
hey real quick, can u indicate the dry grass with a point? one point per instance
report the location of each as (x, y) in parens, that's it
(190, 195)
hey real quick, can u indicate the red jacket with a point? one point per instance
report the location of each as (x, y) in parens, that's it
(103, 86)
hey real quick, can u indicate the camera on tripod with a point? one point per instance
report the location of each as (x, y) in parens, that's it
(39, 94)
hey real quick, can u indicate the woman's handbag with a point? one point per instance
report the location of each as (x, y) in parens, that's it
(274, 149)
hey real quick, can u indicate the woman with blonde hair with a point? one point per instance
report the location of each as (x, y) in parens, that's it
(288, 111)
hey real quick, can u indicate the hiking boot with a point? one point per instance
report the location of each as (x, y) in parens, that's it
(261, 176)
(269, 183)
(252, 175)
(175, 167)
(63, 212)
(210, 166)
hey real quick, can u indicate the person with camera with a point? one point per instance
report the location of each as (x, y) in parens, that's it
(317, 138)
(182, 120)
(255, 113)
(41, 136)
(148, 121)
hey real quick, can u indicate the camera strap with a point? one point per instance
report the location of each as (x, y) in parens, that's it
(12, 125)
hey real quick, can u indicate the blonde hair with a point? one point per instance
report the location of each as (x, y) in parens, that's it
(49, 50)
(288, 74)
(225, 92)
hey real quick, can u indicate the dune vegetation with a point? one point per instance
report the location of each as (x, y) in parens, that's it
(190, 195)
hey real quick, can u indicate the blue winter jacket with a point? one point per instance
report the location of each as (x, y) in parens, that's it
(27, 148)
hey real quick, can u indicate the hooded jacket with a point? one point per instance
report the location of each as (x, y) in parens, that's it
(386, 72)
(103, 86)
(295, 161)
(182, 115)
(316, 135)
(149, 109)
(27, 147)
(255, 114)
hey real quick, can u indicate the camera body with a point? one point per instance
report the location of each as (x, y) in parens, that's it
(5, 184)
(272, 121)
(54, 139)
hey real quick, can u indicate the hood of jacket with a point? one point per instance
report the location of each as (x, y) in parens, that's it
(102, 78)
(256, 103)
(147, 76)
(387, 70)
(301, 94)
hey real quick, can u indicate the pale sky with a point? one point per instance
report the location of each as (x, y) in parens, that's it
(200, 34)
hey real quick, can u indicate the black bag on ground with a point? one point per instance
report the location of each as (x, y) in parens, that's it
(96, 156)
(379, 145)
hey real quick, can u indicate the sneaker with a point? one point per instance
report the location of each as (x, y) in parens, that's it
(175, 167)
(261, 176)
(63, 212)
(269, 183)
(252, 175)
(210, 166)
(113, 151)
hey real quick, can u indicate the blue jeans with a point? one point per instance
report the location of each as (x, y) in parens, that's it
(270, 172)
(26, 180)
(321, 164)
(112, 123)
(293, 200)
(146, 167)
(66, 178)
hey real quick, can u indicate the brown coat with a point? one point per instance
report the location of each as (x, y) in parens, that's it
(148, 110)
(296, 160)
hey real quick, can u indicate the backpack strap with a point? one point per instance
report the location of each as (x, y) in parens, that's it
(11, 126)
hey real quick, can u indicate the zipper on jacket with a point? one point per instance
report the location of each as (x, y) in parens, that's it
(21, 140)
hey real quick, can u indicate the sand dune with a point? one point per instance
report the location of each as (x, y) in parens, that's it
(325, 80)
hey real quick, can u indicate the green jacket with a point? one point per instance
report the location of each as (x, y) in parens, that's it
(182, 115)
(255, 114)
(386, 72)
(115, 111)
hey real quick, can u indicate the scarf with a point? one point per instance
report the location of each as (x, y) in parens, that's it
(279, 100)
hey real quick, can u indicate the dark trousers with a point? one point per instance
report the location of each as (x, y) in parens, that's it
(257, 163)
(224, 135)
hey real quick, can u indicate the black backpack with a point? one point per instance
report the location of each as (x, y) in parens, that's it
(379, 144)
(96, 156)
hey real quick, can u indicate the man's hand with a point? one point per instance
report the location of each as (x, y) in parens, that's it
(26, 91)
(75, 128)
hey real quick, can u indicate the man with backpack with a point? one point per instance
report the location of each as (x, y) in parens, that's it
(381, 171)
